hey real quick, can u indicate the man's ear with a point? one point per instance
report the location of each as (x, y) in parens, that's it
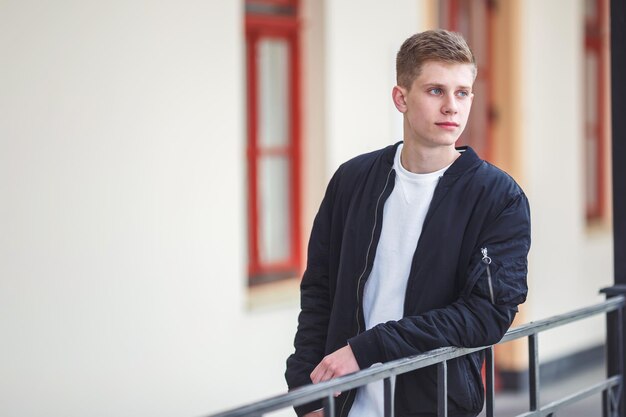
(398, 94)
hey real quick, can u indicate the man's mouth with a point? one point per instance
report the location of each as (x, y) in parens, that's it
(447, 124)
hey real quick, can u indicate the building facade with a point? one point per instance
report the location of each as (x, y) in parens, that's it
(161, 165)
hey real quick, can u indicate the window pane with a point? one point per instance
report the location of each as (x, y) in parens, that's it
(477, 126)
(591, 179)
(463, 17)
(273, 92)
(591, 90)
(478, 32)
(590, 9)
(274, 215)
(591, 129)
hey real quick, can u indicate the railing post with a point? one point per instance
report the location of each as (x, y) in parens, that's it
(615, 355)
(389, 396)
(618, 151)
(329, 406)
(533, 371)
(442, 389)
(618, 130)
(489, 371)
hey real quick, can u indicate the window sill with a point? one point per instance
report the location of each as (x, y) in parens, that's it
(598, 227)
(274, 295)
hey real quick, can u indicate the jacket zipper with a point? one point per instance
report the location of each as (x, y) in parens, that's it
(487, 260)
(358, 285)
(369, 247)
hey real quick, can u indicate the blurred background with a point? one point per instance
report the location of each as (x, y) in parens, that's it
(161, 164)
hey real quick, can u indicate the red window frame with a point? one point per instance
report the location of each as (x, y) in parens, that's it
(461, 16)
(596, 32)
(283, 27)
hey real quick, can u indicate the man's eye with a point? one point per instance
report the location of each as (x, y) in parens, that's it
(436, 91)
(463, 93)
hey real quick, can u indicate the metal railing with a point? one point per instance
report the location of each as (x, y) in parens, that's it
(611, 386)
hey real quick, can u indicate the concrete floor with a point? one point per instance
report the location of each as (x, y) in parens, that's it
(513, 404)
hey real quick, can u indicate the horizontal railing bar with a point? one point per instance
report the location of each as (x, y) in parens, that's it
(313, 392)
(308, 393)
(559, 320)
(584, 393)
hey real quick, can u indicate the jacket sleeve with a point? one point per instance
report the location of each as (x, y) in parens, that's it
(485, 308)
(310, 339)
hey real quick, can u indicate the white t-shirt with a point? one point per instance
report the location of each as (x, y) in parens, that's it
(385, 289)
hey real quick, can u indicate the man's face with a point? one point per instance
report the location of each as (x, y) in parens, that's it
(438, 104)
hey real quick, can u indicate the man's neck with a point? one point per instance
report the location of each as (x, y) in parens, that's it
(420, 160)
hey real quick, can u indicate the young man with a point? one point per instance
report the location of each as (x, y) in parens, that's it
(415, 246)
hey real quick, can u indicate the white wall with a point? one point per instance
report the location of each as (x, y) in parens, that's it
(313, 132)
(568, 264)
(362, 39)
(122, 213)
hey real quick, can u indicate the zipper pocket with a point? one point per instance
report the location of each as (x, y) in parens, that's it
(487, 261)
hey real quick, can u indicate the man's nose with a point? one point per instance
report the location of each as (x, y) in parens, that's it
(449, 105)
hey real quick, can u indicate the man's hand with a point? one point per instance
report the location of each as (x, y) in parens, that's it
(338, 363)
(319, 413)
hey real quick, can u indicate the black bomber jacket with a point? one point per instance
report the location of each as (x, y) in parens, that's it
(467, 277)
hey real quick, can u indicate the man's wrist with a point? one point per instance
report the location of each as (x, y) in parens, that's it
(366, 349)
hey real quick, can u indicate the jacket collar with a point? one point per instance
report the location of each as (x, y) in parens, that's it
(468, 159)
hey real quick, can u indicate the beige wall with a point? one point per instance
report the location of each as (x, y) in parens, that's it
(122, 213)
(314, 144)
(362, 38)
(568, 264)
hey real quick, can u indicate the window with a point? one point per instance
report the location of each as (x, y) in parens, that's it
(474, 20)
(596, 30)
(273, 139)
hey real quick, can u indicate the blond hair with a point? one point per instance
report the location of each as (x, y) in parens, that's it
(432, 45)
